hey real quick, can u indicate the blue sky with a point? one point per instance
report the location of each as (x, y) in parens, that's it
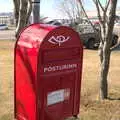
(6, 5)
(48, 7)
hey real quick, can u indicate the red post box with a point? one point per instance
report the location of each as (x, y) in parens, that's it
(48, 67)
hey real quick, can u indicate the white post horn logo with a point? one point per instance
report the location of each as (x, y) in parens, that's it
(58, 40)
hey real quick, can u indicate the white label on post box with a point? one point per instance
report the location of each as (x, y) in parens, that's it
(59, 68)
(55, 97)
(58, 96)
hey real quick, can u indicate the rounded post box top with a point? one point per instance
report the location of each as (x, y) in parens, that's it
(45, 36)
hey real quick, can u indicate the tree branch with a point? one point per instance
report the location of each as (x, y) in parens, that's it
(98, 11)
(22, 16)
(103, 9)
(107, 5)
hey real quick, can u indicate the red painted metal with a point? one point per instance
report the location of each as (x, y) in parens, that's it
(48, 67)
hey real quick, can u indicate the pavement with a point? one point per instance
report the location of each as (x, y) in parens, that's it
(7, 34)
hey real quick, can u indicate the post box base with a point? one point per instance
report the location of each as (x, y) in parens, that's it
(73, 118)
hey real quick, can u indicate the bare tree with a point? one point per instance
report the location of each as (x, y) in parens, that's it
(71, 9)
(22, 10)
(107, 25)
(106, 14)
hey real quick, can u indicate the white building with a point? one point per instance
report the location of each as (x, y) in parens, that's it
(7, 18)
(94, 13)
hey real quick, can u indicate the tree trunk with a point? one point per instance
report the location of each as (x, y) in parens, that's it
(36, 11)
(16, 10)
(22, 16)
(105, 61)
(22, 9)
(29, 10)
(105, 52)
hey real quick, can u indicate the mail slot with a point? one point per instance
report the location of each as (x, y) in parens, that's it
(48, 67)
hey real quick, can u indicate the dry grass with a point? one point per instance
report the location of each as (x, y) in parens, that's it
(91, 107)
(6, 80)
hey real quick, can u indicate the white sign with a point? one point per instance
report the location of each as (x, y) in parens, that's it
(55, 97)
(58, 96)
(59, 68)
(58, 40)
(88, 30)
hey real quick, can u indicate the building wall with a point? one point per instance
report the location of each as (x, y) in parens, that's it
(9, 20)
(94, 13)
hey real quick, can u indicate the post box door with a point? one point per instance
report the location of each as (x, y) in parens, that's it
(59, 95)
